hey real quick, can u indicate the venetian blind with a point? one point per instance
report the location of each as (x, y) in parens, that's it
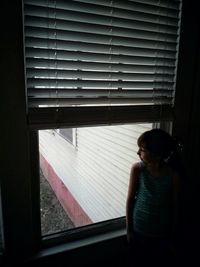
(100, 52)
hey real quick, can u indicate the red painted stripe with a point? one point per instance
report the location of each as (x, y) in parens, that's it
(66, 199)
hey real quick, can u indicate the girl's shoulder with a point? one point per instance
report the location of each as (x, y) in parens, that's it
(137, 167)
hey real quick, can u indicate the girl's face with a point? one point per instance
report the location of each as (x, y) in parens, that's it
(144, 154)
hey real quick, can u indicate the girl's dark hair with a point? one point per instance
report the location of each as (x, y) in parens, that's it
(162, 144)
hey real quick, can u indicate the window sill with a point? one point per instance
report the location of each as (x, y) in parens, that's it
(71, 246)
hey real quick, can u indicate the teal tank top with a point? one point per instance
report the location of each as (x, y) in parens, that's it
(152, 214)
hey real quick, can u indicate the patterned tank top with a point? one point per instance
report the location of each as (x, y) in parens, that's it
(152, 214)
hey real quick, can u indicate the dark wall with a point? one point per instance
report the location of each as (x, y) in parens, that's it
(187, 127)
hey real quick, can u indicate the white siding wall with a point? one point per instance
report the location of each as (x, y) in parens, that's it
(96, 172)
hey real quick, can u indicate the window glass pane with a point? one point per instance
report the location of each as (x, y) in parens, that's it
(87, 183)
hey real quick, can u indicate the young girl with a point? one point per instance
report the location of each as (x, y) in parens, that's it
(152, 201)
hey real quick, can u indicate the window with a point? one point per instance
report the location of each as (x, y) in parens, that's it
(95, 63)
(69, 134)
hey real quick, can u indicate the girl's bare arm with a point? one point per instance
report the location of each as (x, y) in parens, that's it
(130, 199)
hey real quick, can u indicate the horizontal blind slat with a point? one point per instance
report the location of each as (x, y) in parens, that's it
(134, 32)
(80, 74)
(69, 83)
(142, 4)
(99, 96)
(64, 16)
(44, 102)
(68, 35)
(97, 57)
(78, 93)
(98, 48)
(75, 65)
(144, 13)
(173, 5)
